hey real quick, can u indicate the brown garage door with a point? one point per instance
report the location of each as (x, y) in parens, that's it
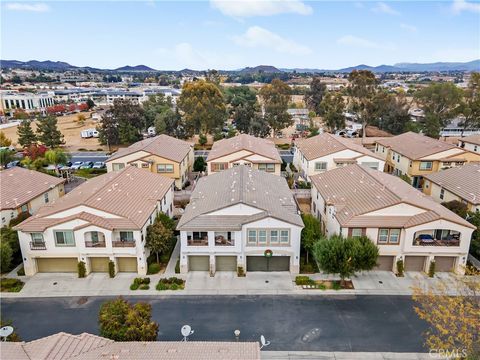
(414, 263)
(261, 263)
(199, 263)
(127, 264)
(52, 265)
(385, 263)
(444, 263)
(99, 264)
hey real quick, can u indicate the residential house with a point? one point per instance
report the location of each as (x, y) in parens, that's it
(104, 219)
(470, 143)
(25, 191)
(403, 222)
(240, 217)
(326, 152)
(92, 347)
(457, 183)
(244, 149)
(415, 156)
(161, 154)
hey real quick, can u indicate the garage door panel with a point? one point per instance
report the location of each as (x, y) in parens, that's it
(127, 264)
(414, 263)
(261, 263)
(199, 263)
(444, 263)
(226, 263)
(52, 265)
(385, 263)
(99, 264)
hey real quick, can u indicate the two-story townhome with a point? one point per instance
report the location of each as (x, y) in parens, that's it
(25, 191)
(241, 217)
(326, 152)
(244, 149)
(416, 155)
(457, 183)
(403, 222)
(161, 154)
(470, 143)
(104, 219)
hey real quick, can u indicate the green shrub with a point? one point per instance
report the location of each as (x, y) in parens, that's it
(177, 267)
(153, 268)
(11, 285)
(293, 168)
(199, 164)
(304, 280)
(431, 269)
(240, 271)
(134, 286)
(174, 287)
(336, 285)
(322, 287)
(82, 270)
(111, 269)
(144, 287)
(172, 283)
(400, 268)
(21, 271)
(161, 286)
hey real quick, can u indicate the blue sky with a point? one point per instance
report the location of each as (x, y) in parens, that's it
(233, 34)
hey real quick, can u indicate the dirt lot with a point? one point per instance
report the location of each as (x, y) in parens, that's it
(70, 130)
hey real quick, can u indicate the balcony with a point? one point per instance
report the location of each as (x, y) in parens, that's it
(437, 238)
(95, 244)
(38, 245)
(224, 239)
(197, 238)
(123, 244)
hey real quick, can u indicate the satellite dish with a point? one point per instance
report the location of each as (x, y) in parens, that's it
(263, 342)
(5, 332)
(186, 331)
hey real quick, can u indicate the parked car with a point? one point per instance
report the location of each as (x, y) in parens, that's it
(86, 165)
(99, 165)
(13, 164)
(76, 165)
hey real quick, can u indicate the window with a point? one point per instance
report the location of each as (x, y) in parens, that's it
(94, 236)
(145, 165)
(219, 166)
(442, 193)
(273, 236)
(24, 208)
(262, 236)
(383, 236)
(388, 236)
(37, 237)
(357, 233)
(165, 168)
(314, 207)
(426, 165)
(267, 167)
(64, 238)
(398, 158)
(126, 236)
(117, 166)
(45, 197)
(284, 236)
(320, 166)
(252, 236)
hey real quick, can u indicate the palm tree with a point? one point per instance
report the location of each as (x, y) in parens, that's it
(56, 157)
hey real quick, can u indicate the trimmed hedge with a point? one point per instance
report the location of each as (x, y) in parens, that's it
(11, 285)
(172, 283)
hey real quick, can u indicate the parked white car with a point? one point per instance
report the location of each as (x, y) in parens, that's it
(76, 165)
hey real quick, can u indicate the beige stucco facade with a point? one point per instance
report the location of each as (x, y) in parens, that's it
(435, 191)
(245, 157)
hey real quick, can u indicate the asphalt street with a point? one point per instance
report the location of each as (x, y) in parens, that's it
(294, 323)
(86, 156)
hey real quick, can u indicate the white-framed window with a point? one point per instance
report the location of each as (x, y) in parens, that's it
(426, 165)
(284, 236)
(118, 166)
(357, 232)
(165, 168)
(64, 238)
(371, 165)
(145, 165)
(388, 236)
(320, 166)
(126, 236)
(24, 208)
(267, 167)
(442, 193)
(37, 237)
(45, 197)
(252, 236)
(394, 236)
(383, 236)
(262, 236)
(274, 237)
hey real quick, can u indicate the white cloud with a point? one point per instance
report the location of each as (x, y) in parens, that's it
(249, 8)
(461, 5)
(408, 27)
(382, 7)
(37, 7)
(354, 41)
(257, 36)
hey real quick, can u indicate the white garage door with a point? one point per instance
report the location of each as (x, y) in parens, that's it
(52, 265)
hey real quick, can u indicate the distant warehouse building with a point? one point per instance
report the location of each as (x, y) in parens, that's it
(29, 102)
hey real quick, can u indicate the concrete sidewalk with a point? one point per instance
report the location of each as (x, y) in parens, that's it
(223, 283)
(324, 355)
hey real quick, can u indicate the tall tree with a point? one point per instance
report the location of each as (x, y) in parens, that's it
(470, 106)
(56, 157)
(48, 133)
(440, 102)
(313, 97)
(202, 105)
(240, 96)
(4, 141)
(160, 235)
(276, 97)
(26, 136)
(311, 233)
(332, 109)
(6, 155)
(259, 126)
(391, 112)
(363, 87)
(155, 105)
